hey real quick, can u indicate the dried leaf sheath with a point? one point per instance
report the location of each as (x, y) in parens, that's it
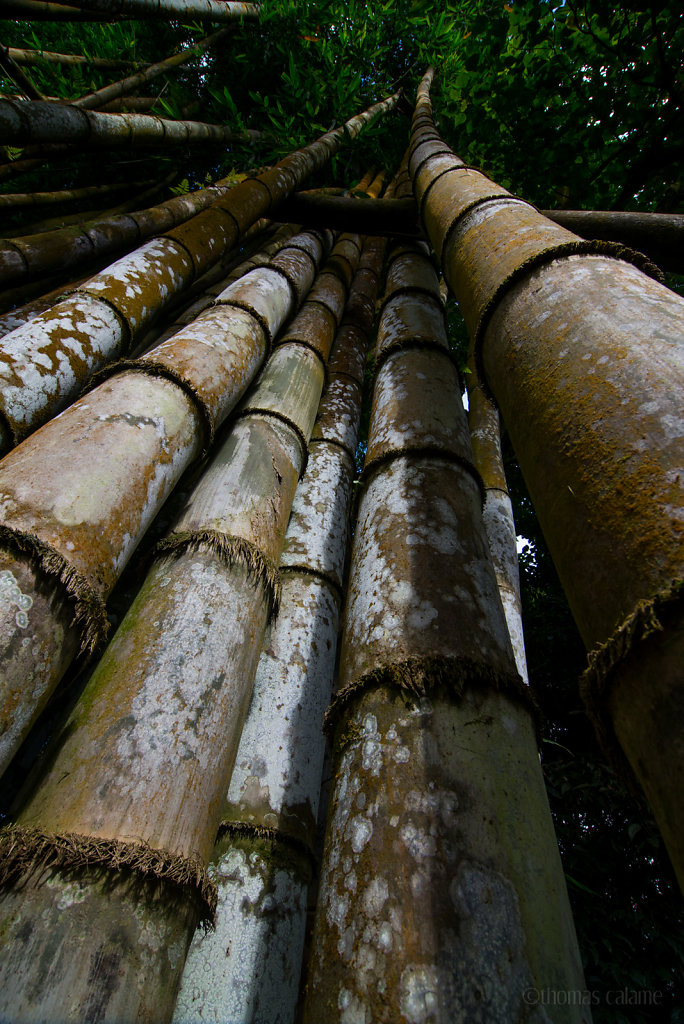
(570, 337)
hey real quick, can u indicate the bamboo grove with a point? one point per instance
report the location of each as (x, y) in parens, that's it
(170, 858)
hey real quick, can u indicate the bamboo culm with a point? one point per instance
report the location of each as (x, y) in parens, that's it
(104, 318)
(214, 584)
(439, 894)
(72, 515)
(569, 337)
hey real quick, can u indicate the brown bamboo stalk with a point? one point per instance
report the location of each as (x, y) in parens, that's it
(97, 10)
(23, 56)
(115, 90)
(659, 235)
(581, 349)
(30, 255)
(80, 335)
(441, 895)
(44, 10)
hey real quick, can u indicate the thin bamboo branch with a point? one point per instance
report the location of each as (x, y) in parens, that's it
(22, 199)
(17, 75)
(38, 57)
(95, 100)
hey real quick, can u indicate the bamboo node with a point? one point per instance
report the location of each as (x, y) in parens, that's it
(90, 614)
(246, 832)
(25, 850)
(603, 662)
(419, 677)
(541, 259)
(158, 369)
(426, 452)
(231, 551)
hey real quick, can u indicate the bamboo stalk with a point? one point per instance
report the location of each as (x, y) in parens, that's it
(18, 76)
(440, 895)
(118, 89)
(212, 10)
(497, 514)
(23, 56)
(78, 496)
(80, 335)
(30, 255)
(44, 10)
(581, 350)
(266, 840)
(213, 585)
(43, 122)
(17, 200)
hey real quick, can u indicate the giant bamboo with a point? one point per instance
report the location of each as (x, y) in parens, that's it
(114, 90)
(27, 123)
(442, 894)
(265, 845)
(582, 351)
(30, 255)
(106, 316)
(161, 778)
(21, 199)
(76, 497)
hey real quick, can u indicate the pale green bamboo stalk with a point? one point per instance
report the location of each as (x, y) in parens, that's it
(266, 841)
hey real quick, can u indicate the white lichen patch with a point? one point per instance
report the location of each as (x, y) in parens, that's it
(12, 595)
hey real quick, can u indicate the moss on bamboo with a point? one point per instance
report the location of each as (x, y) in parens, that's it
(231, 551)
(25, 850)
(420, 677)
(90, 615)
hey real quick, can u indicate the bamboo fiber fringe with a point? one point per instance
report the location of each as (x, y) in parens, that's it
(420, 677)
(24, 851)
(541, 259)
(231, 551)
(154, 369)
(295, 569)
(603, 661)
(247, 831)
(90, 614)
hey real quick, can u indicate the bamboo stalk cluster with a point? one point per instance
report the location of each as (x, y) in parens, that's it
(184, 787)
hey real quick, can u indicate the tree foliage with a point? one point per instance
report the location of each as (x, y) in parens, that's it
(575, 104)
